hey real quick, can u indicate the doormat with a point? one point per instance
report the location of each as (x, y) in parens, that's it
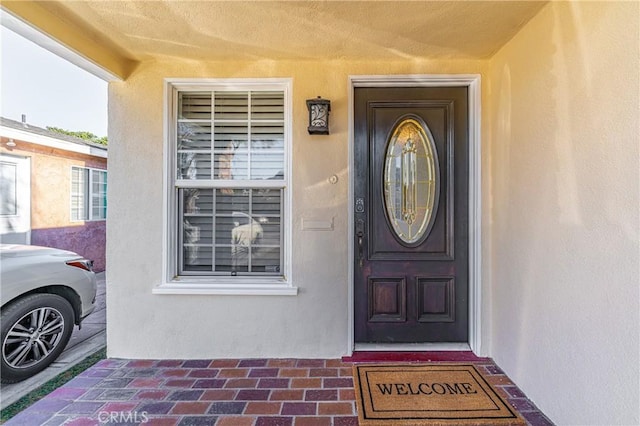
(428, 394)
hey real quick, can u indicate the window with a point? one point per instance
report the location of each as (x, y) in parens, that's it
(228, 183)
(88, 194)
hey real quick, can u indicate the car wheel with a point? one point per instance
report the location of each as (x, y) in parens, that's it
(35, 330)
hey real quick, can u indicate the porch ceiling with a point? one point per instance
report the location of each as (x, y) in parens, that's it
(127, 32)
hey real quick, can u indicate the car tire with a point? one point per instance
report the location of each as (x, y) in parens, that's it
(35, 330)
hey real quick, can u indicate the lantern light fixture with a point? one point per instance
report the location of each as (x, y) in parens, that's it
(318, 116)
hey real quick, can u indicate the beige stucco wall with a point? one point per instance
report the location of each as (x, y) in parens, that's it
(560, 216)
(565, 211)
(312, 324)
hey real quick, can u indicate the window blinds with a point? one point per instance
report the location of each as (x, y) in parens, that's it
(224, 137)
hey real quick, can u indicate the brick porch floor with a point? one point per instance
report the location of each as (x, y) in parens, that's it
(250, 392)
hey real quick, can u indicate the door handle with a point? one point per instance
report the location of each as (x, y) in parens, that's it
(360, 236)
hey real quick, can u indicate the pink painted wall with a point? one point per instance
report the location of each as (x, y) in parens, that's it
(51, 224)
(87, 240)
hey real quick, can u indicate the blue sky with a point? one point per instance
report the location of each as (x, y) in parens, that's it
(48, 89)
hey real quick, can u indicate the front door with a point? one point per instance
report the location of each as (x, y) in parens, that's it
(411, 214)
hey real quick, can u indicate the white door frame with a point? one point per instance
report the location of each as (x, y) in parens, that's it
(472, 82)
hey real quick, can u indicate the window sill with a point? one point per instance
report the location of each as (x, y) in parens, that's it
(244, 288)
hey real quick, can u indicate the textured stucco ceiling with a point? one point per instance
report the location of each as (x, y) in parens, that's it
(245, 30)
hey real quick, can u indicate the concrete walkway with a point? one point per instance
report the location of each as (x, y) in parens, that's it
(84, 342)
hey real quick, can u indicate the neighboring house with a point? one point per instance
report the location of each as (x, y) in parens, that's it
(53, 190)
(479, 187)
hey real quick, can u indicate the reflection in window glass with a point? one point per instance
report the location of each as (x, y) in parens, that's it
(239, 232)
(233, 143)
(230, 181)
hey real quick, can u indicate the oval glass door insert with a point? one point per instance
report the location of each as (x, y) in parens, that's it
(411, 180)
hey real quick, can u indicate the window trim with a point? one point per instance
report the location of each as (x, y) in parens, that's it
(221, 285)
(88, 194)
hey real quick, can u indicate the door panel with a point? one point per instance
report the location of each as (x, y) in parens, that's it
(411, 290)
(436, 299)
(387, 300)
(15, 199)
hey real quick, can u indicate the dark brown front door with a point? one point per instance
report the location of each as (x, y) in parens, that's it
(411, 214)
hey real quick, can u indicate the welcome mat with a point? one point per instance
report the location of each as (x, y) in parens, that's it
(435, 394)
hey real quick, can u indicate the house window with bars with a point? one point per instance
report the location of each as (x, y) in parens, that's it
(229, 181)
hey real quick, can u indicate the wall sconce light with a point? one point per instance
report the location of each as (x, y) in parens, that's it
(11, 143)
(318, 116)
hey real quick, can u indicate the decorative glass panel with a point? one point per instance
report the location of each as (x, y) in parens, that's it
(411, 180)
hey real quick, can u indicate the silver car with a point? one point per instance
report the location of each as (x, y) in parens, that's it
(43, 293)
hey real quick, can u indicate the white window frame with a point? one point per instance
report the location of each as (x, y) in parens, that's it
(216, 284)
(89, 195)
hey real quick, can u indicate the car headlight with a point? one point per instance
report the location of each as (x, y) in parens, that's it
(85, 264)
